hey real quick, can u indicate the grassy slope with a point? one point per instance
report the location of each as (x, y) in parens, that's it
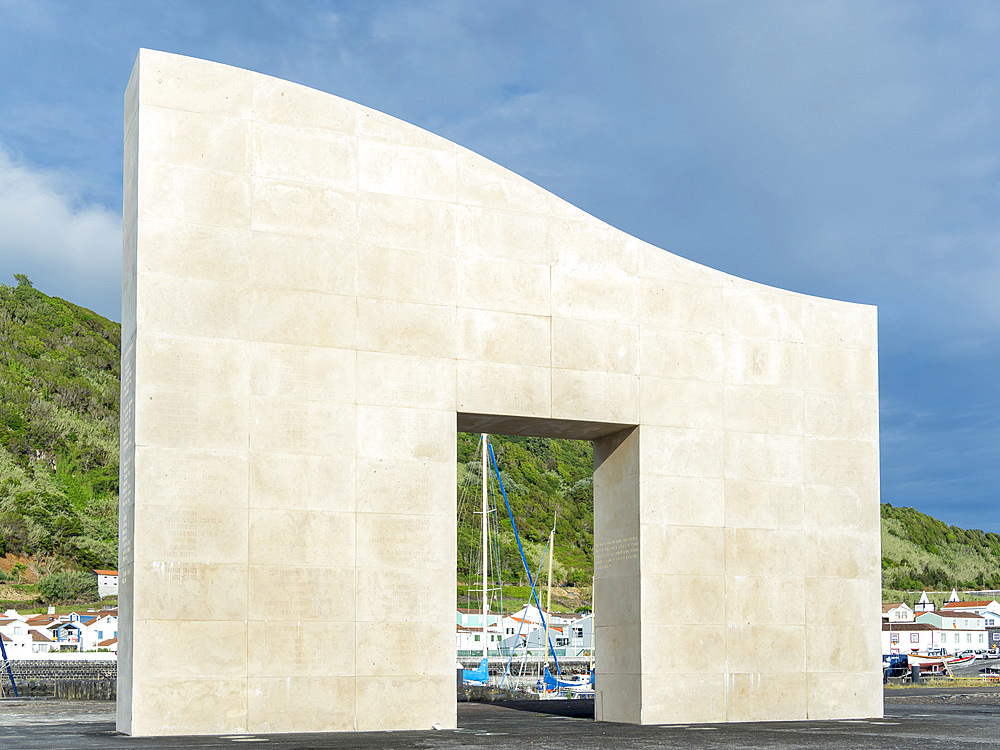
(919, 552)
(59, 391)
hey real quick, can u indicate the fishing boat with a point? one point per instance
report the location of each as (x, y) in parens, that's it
(934, 657)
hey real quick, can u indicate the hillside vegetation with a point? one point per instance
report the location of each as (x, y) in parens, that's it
(59, 391)
(921, 552)
(546, 481)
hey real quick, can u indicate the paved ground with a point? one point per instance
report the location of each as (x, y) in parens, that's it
(917, 718)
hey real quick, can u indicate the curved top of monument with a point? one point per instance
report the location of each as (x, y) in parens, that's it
(402, 159)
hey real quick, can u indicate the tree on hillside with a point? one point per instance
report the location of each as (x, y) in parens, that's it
(68, 587)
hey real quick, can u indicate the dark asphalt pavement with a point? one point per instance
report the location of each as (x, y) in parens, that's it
(917, 718)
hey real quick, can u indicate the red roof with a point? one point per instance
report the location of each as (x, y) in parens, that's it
(109, 642)
(106, 572)
(36, 636)
(532, 622)
(896, 627)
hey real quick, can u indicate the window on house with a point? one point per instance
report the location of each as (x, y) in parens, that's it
(18, 630)
(510, 631)
(578, 632)
(477, 639)
(914, 637)
(894, 638)
(968, 637)
(562, 641)
(980, 637)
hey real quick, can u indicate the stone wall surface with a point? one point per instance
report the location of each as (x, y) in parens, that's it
(71, 680)
(317, 297)
(37, 669)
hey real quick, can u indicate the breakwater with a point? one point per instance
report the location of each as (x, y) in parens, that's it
(65, 679)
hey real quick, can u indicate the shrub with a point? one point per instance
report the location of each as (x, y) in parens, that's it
(68, 587)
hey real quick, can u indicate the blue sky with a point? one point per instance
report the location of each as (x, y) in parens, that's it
(842, 149)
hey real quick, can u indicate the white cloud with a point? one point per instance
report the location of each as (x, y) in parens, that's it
(68, 248)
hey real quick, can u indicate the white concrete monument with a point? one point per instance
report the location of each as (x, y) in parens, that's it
(316, 297)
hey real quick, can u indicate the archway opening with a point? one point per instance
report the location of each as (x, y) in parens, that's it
(547, 469)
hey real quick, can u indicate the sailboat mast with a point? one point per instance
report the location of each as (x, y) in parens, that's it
(485, 537)
(548, 603)
(593, 619)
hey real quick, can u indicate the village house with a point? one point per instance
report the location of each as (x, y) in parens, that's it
(988, 609)
(571, 634)
(107, 582)
(16, 636)
(469, 631)
(908, 637)
(473, 618)
(958, 630)
(73, 631)
(21, 637)
(896, 612)
(102, 629)
(993, 637)
(469, 641)
(111, 644)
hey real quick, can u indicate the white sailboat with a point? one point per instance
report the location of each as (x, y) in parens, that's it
(481, 675)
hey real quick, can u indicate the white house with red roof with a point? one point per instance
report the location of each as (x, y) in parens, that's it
(107, 582)
(82, 631)
(571, 633)
(21, 637)
(958, 630)
(908, 637)
(111, 644)
(988, 609)
(15, 634)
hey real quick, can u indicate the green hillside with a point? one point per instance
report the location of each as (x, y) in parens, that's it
(920, 552)
(545, 480)
(59, 390)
